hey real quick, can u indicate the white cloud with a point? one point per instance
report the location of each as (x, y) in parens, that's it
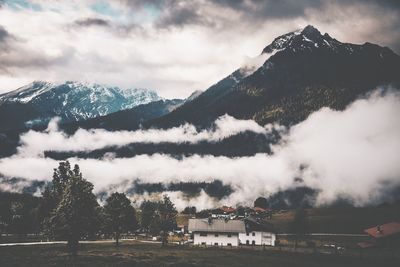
(351, 153)
(35, 143)
(180, 200)
(132, 52)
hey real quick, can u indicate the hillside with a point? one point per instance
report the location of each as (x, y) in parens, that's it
(129, 119)
(36, 103)
(304, 72)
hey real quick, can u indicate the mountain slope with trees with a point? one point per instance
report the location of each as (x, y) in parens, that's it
(305, 72)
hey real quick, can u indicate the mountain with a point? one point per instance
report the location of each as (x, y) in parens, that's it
(300, 72)
(194, 95)
(128, 119)
(297, 74)
(131, 119)
(39, 101)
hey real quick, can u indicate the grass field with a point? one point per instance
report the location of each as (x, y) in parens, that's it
(144, 254)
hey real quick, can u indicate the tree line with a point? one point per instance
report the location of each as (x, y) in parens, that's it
(69, 211)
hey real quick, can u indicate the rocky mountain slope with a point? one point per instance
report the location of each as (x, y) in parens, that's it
(128, 119)
(303, 71)
(36, 103)
(133, 118)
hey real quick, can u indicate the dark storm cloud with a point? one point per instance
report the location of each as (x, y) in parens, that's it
(13, 55)
(257, 9)
(253, 13)
(264, 9)
(88, 22)
(182, 16)
(4, 35)
(35, 44)
(386, 32)
(171, 13)
(120, 30)
(180, 13)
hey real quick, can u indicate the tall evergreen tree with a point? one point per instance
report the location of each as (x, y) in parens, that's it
(76, 212)
(261, 202)
(120, 216)
(167, 214)
(147, 215)
(159, 218)
(53, 192)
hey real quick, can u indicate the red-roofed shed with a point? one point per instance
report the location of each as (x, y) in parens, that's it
(228, 209)
(387, 234)
(384, 230)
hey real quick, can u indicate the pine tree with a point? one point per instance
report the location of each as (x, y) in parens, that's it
(159, 217)
(76, 212)
(167, 213)
(120, 216)
(53, 191)
(148, 210)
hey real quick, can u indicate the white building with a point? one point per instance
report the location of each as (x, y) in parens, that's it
(257, 238)
(216, 232)
(257, 233)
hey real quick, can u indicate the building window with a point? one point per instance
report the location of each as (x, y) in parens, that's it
(216, 235)
(203, 234)
(247, 234)
(254, 234)
(215, 244)
(229, 245)
(203, 243)
(253, 242)
(247, 242)
(229, 235)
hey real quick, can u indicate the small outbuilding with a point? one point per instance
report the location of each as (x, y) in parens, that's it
(385, 235)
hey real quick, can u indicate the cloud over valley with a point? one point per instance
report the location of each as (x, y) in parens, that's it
(350, 154)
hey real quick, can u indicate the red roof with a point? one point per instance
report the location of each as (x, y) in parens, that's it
(384, 230)
(228, 209)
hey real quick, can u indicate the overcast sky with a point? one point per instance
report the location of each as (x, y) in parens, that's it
(172, 46)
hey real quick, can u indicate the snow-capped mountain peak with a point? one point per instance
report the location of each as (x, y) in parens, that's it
(281, 42)
(303, 39)
(74, 101)
(28, 92)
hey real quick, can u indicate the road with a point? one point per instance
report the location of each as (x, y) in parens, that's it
(56, 242)
(149, 241)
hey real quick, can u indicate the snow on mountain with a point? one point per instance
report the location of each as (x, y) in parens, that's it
(295, 75)
(296, 40)
(74, 101)
(26, 93)
(308, 38)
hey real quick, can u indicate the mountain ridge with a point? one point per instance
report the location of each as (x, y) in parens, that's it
(71, 101)
(304, 72)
